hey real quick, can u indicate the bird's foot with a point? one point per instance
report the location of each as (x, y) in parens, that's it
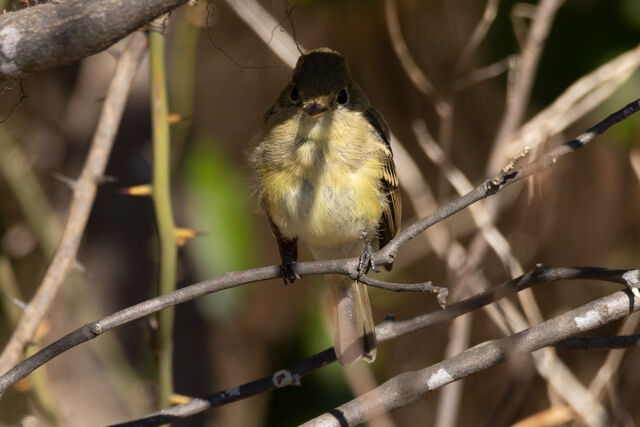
(288, 270)
(366, 261)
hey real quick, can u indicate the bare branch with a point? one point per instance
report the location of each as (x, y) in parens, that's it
(599, 343)
(578, 99)
(84, 190)
(409, 386)
(56, 33)
(524, 73)
(479, 33)
(505, 178)
(385, 331)
(264, 25)
(409, 65)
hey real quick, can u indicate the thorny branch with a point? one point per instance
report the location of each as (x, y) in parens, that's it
(84, 191)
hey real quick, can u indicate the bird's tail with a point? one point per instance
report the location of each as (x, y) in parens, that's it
(354, 335)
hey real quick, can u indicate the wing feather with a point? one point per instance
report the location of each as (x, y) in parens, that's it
(391, 215)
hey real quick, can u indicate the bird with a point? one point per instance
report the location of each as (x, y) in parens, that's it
(324, 175)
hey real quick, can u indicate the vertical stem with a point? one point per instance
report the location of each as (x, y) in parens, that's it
(164, 216)
(182, 70)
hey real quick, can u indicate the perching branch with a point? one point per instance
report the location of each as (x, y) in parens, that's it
(56, 33)
(84, 191)
(385, 331)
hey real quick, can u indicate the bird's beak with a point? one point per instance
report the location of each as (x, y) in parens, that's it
(314, 109)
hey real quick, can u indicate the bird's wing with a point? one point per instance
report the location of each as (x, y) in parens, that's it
(390, 222)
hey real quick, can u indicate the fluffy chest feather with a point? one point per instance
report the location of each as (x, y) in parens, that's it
(320, 181)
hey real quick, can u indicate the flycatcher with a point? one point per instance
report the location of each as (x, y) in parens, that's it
(325, 175)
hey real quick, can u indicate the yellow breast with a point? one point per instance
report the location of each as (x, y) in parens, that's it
(323, 185)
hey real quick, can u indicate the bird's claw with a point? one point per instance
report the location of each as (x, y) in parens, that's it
(288, 271)
(366, 261)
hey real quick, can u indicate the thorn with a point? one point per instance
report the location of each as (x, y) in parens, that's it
(183, 235)
(152, 321)
(104, 179)
(137, 190)
(78, 266)
(16, 301)
(71, 183)
(179, 399)
(177, 118)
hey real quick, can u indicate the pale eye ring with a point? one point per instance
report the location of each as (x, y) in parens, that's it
(343, 96)
(294, 95)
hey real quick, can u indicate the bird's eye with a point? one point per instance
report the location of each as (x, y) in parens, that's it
(294, 95)
(343, 96)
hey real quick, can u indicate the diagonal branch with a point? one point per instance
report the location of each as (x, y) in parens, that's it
(409, 386)
(84, 191)
(509, 175)
(387, 330)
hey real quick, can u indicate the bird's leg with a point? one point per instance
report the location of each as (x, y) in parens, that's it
(288, 269)
(366, 262)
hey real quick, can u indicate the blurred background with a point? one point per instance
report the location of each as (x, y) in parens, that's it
(222, 78)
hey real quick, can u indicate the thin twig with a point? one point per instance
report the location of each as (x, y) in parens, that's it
(264, 25)
(577, 100)
(409, 65)
(226, 281)
(506, 177)
(553, 369)
(17, 171)
(47, 227)
(478, 35)
(40, 386)
(603, 377)
(385, 331)
(84, 190)
(409, 386)
(553, 416)
(484, 73)
(524, 73)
